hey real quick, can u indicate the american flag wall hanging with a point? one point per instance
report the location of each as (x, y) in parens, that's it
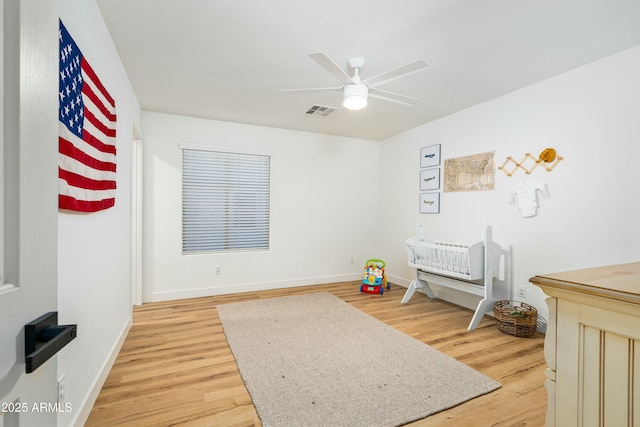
(87, 135)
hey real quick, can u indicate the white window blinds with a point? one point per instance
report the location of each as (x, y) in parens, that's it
(225, 201)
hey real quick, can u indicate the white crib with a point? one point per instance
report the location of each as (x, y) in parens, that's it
(457, 266)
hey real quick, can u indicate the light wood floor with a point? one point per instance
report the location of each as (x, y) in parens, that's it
(175, 367)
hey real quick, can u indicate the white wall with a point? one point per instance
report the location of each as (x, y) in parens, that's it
(590, 115)
(94, 249)
(330, 201)
(324, 209)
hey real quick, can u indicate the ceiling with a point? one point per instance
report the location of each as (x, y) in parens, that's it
(230, 59)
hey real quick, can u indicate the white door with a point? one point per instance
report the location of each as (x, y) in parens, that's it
(28, 204)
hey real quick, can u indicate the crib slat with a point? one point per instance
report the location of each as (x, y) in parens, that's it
(453, 259)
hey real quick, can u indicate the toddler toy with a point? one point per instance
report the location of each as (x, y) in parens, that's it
(373, 279)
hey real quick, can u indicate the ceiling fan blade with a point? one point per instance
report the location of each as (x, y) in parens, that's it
(313, 90)
(390, 96)
(326, 63)
(396, 73)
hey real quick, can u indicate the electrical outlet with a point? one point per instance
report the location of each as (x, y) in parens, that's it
(351, 259)
(218, 269)
(61, 389)
(522, 291)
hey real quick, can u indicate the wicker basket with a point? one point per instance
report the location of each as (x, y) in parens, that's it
(516, 318)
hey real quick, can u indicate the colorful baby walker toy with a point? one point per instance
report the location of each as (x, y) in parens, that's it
(373, 279)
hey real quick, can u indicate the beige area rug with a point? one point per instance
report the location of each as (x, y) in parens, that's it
(315, 360)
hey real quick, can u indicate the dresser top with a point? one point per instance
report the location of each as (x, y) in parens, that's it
(621, 281)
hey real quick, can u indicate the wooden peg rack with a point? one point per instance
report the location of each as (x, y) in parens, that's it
(521, 164)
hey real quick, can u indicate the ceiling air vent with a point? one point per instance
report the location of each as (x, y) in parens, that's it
(321, 110)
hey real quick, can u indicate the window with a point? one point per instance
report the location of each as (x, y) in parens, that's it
(225, 201)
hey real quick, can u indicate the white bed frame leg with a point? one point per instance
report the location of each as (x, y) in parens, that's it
(484, 306)
(491, 259)
(415, 285)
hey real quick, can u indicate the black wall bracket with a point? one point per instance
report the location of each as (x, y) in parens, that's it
(43, 338)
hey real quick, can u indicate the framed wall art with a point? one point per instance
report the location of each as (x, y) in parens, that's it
(429, 203)
(430, 179)
(430, 156)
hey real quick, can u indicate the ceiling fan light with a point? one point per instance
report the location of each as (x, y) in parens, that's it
(354, 102)
(355, 96)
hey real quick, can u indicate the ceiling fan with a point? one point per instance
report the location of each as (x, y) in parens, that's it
(355, 91)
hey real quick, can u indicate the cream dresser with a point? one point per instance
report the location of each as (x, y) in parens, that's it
(592, 346)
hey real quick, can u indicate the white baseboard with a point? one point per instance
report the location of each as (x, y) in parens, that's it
(398, 280)
(90, 400)
(249, 287)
